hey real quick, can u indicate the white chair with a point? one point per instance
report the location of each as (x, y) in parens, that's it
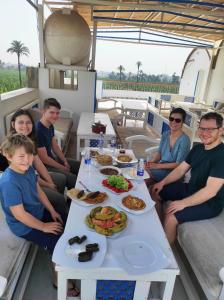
(148, 151)
(109, 103)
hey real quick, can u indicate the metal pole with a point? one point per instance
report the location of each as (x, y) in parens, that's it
(94, 45)
(40, 15)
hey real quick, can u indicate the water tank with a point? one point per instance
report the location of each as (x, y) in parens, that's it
(67, 38)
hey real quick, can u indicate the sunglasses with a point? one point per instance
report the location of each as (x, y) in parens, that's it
(177, 120)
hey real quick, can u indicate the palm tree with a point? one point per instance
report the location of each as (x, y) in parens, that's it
(139, 64)
(121, 69)
(20, 49)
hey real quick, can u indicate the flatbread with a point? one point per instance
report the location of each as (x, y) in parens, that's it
(133, 202)
(72, 193)
(124, 158)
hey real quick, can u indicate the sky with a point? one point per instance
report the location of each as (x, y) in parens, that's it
(18, 22)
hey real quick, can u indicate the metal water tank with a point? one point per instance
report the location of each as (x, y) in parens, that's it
(67, 37)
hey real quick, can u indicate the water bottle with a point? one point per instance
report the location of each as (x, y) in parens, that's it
(101, 142)
(87, 159)
(113, 144)
(140, 168)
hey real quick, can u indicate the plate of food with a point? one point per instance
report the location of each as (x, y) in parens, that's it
(125, 159)
(83, 198)
(131, 173)
(117, 184)
(80, 249)
(134, 204)
(106, 220)
(104, 159)
(109, 170)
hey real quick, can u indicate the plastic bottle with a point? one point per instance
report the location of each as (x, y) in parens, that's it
(101, 142)
(113, 143)
(140, 168)
(87, 159)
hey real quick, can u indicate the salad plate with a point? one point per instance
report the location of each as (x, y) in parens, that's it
(117, 184)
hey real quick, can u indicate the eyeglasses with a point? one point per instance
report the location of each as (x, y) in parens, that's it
(177, 120)
(26, 123)
(208, 130)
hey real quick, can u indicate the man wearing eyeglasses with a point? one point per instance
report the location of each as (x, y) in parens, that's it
(203, 197)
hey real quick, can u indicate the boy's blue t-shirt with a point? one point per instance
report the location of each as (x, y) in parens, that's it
(15, 189)
(44, 137)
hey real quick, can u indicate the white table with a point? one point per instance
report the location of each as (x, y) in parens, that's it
(134, 107)
(147, 223)
(84, 131)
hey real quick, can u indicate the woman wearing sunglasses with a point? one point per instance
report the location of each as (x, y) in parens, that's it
(173, 148)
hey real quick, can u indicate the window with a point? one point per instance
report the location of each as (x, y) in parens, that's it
(63, 79)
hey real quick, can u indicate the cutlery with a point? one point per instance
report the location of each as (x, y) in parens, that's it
(85, 187)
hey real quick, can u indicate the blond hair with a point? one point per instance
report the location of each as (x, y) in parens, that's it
(15, 141)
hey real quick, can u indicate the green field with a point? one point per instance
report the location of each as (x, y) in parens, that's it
(142, 86)
(9, 80)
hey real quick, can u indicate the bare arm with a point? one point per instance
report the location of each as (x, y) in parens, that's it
(175, 175)
(47, 204)
(26, 218)
(57, 150)
(212, 187)
(158, 166)
(41, 169)
(42, 152)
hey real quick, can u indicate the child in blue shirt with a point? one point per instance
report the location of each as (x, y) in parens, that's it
(29, 213)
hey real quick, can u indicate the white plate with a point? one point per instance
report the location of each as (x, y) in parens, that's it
(110, 167)
(80, 202)
(131, 173)
(149, 205)
(133, 161)
(139, 255)
(67, 255)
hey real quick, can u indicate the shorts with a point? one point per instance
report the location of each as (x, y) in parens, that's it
(45, 240)
(178, 191)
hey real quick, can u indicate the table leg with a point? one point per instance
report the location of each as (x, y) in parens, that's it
(88, 289)
(78, 148)
(168, 290)
(62, 286)
(141, 290)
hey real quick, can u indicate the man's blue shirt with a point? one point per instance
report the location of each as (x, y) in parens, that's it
(16, 189)
(44, 137)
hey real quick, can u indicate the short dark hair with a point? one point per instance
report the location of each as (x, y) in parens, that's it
(213, 116)
(15, 141)
(51, 102)
(180, 111)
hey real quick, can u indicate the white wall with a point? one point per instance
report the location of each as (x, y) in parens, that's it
(216, 88)
(77, 101)
(198, 62)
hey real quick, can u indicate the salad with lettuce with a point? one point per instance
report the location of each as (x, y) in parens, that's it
(118, 182)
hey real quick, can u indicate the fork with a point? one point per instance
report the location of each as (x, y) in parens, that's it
(85, 187)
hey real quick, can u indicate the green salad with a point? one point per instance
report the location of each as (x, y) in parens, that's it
(118, 181)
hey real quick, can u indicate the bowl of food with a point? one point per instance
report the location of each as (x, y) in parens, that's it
(106, 220)
(104, 160)
(109, 170)
(125, 160)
